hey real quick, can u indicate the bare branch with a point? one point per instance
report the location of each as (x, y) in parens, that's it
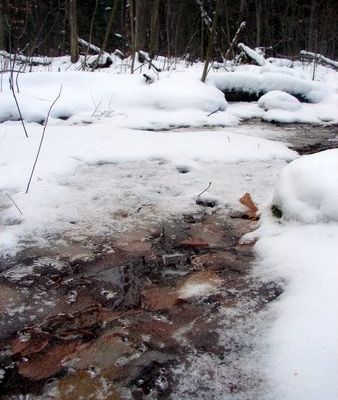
(11, 84)
(42, 137)
(203, 191)
(13, 201)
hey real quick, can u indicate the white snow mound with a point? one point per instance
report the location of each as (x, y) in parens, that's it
(307, 188)
(276, 99)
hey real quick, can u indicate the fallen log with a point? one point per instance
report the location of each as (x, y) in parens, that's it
(89, 45)
(252, 54)
(308, 55)
(31, 61)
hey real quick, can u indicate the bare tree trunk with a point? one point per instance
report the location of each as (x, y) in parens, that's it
(311, 38)
(242, 10)
(154, 27)
(109, 26)
(74, 49)
(258, 22)
(132, 32)
(211, 42)
(2, 31)
(140, 25)
(227, 20)
(90, 33)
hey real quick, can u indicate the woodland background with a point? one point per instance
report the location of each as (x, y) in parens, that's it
(168, 27)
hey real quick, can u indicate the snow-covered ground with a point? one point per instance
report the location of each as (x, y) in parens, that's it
(99, 159)
(300, 249)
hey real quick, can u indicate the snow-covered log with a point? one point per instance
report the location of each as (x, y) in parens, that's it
(246, 86)
(319, 58)
(89, 45)
(31, 61)
(252, 54)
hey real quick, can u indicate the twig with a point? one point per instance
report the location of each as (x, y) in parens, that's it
(214, 112)
(235, 39)
(11, 84)
(203, 191)
(42, 137)
(96, 108)
(13, 201)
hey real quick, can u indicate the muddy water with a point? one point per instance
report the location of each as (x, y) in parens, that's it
(167, 311)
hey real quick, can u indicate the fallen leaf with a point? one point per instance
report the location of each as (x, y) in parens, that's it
(251, 211)
(36, 343)
(48, 363)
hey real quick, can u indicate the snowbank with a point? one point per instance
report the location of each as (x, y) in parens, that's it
(260, 83)
(277, 99)
(300, 252)
(88, 96)
(302, 358)
(307, 188)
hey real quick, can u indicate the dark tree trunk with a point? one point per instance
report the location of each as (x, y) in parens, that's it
(153, 47)
(74, 50)
(140, 25)
(2, 30)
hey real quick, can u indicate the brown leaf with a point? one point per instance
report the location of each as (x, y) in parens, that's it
(36, 343)
(48, 363)
(251, 211)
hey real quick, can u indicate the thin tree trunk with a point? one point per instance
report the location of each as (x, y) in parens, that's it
(109, 25)
(154, 27)
(90, 33)
(140, 25)
(258, 22)
(74, 49)
(2, 31)
(107, 33)
(132, 32)
(311, 38)
(211, 42)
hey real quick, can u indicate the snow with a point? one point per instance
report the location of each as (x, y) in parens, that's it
(307, 188)
(196, 290)
(302, 361)
(300, 251)
(280, 100)
(98, 162)
(126, 98)
(69, 149)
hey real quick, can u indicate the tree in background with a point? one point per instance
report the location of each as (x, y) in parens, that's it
(168, 27)
(74, 49)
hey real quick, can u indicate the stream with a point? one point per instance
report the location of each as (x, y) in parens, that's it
(166, 307)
